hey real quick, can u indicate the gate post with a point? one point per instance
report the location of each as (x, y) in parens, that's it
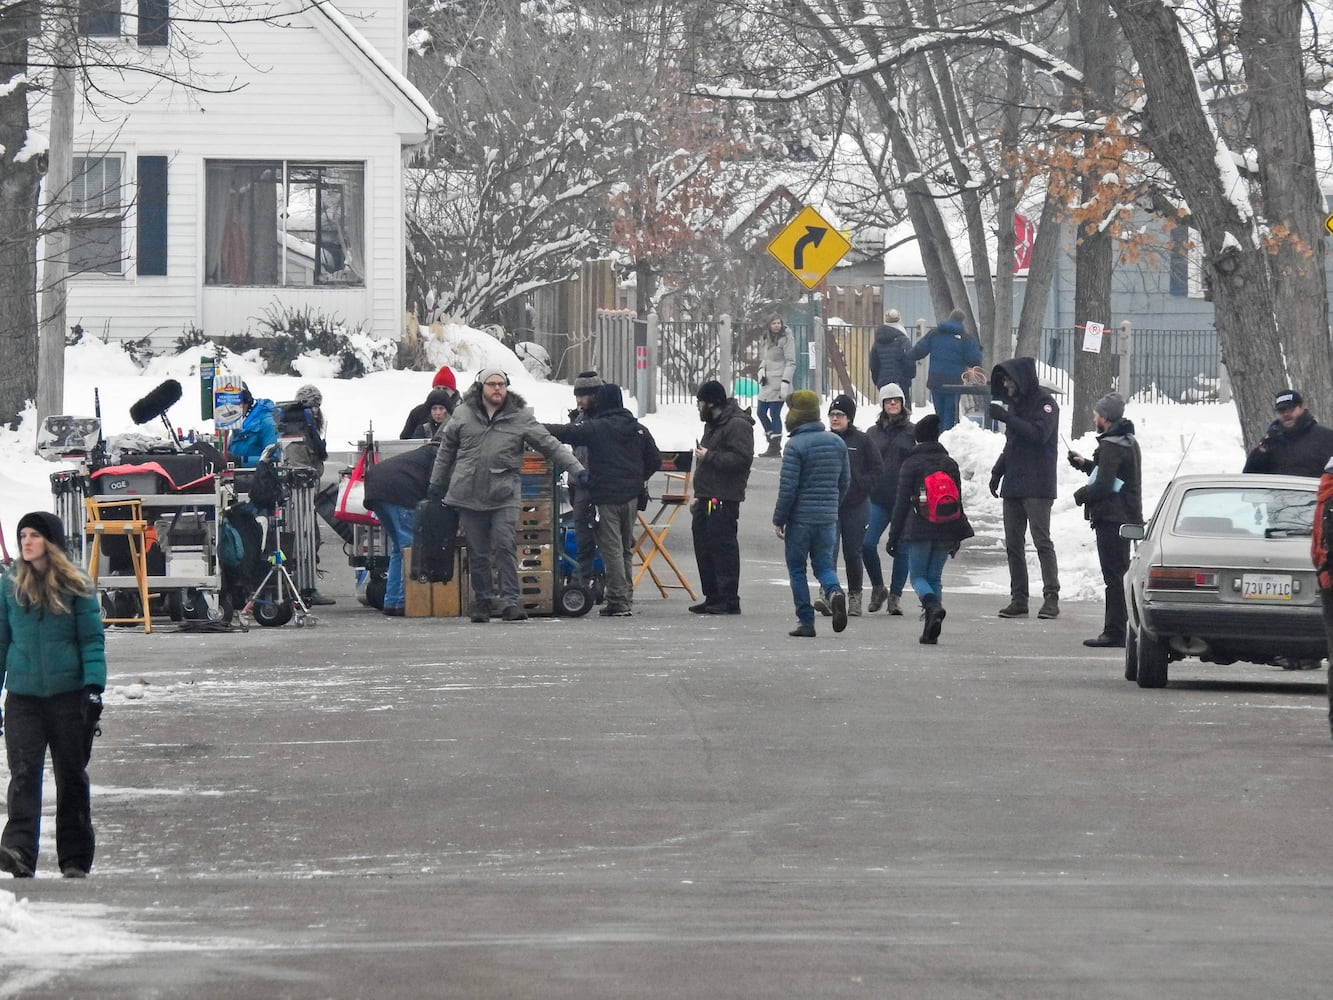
(725, 351)
(1124, 383)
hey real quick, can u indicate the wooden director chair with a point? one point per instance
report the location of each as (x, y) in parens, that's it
(651, 541)
(134, 529)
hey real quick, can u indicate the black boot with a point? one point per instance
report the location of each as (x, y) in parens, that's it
(933, 613)
(774, 446)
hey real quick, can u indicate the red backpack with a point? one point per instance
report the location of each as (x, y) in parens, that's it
(939, 502)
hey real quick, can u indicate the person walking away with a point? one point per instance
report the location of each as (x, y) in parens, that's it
(929, 522)
(477, 473)
(854, 510)
(53, 666)
(1321, 539)
(419, 414)
(722, 461)
(1026, 468)
(950, 349)
(1113, 496)
(777, 368)
(304, 446)
(892, 436)
(394, 487)
(889, 363)
(258, 431)
(621, 457)
(582, 509)
(816, 475)
(1295, 444)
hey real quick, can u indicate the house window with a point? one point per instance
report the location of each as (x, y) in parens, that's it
(99, 17)
(95, 215)
(151, 253)
(154, 22)
(284, 223)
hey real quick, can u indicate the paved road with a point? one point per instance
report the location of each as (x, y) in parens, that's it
(669, 806)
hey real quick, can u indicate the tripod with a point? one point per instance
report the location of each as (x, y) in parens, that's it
(287, 600)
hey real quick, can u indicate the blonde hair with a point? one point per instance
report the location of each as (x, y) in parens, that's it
(33, 588)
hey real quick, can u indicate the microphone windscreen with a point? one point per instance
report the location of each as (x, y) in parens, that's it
(157, 402)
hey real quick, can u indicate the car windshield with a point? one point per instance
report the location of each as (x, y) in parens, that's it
(1262, 512)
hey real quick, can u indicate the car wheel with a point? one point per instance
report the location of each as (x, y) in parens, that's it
(1131, 653)
(1152, 660)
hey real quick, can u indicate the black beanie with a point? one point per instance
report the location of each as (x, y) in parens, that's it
(928, 428)
(712, 393)
(845, 405)
(45, 524)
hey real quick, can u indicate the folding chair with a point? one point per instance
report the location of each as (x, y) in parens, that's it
(126, 520)
(651, 541)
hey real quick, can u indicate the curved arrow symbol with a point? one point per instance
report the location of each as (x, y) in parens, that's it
(813, 236)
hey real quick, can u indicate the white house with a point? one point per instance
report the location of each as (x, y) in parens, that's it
(257, 163)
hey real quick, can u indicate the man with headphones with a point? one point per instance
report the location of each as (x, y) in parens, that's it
(477, 473)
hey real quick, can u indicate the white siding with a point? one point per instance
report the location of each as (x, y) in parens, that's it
(304, 94)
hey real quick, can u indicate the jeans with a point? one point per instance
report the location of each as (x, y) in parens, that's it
(946, 407)
(925, 560)
(1113, 554)
(1020, 516)
(813, 542)
(717, 552)
(770, 417)
(399, 523)
(615, 540)
(852, 533)
(878, 523)
(490, 540)
(32, 725)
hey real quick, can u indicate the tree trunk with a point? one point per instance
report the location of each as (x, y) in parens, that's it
(18, 227)
(1184, 140)
(1270, 43)
(995, 345)
(1093, 252)
(1041, 273)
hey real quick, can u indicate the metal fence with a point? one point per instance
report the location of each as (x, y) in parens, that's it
(1181, 366)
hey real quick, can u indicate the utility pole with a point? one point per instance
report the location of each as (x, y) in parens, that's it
(57, 183)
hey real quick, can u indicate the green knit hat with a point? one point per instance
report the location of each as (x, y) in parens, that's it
(802, 408)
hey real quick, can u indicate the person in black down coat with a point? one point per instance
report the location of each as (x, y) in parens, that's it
(722, 461)
(892, 436)
(889, 362)
(1113, 496)
(1026, 468)
(1295, 445)
(621, 457)
(394, 487)
(928, 544)
(854, 510)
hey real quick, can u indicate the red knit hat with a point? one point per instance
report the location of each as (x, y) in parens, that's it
(444, 378)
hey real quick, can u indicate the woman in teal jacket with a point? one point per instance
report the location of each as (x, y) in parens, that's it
(53, 665)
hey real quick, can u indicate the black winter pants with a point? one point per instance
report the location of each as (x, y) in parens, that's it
(32, 726)
(852, 523)
(1113, 554)
(717, 551)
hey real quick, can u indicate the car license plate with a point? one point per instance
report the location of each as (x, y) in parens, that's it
(1265, 587)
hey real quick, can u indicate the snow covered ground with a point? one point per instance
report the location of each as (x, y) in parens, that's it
(1184, 438)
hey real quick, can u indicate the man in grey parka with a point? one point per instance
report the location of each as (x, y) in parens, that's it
(477, 473)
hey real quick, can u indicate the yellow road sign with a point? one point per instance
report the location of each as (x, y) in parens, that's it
(1328, 224)
(809, 247)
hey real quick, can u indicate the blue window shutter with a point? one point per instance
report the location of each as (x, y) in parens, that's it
(152, 257)
(154, 22)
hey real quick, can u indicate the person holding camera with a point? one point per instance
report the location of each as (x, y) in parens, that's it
(622, 455)
(53, 666)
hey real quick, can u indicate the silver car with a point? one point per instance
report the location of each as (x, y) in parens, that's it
(1222, 572)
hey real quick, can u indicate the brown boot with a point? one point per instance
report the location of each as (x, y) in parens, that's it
(1016, 608)
(878, 598)
(895, 605)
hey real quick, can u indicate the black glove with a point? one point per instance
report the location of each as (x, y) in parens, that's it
(91, 706)
(764, 380)
(574, 413)
(435, 494)
(995, 486)
(998, 411)
(954, 551)
(892, 549)
(1075, 459)
(1081, 496)
(582, 480)
(643, 499)
(2, 723)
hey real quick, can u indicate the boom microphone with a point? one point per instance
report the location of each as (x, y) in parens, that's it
(157, 402)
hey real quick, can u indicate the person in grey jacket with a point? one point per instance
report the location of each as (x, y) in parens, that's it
(816, 475)
(477, 472)
(777, 368)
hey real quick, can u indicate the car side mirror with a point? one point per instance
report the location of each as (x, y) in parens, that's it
(1134, 532)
